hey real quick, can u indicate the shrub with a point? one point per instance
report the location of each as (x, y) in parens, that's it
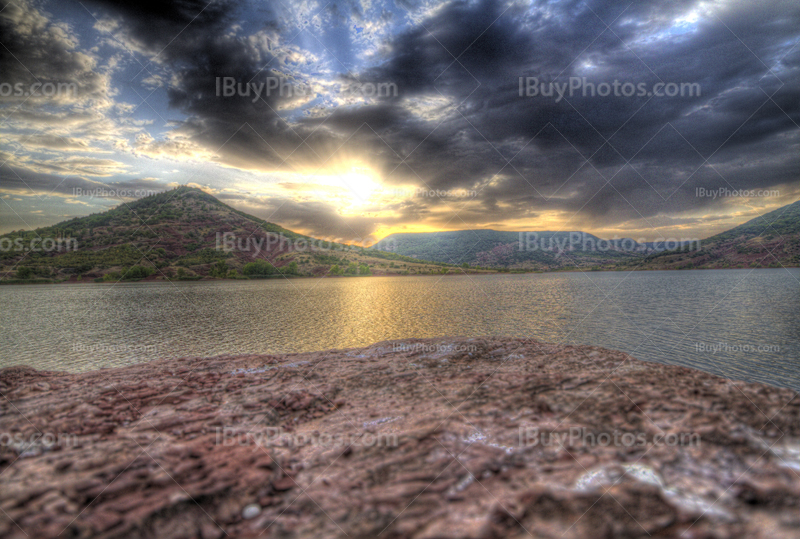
(290, 269)
(220, 270)
(258, 268)
(321, 258)
(112, 276)
(137, 272)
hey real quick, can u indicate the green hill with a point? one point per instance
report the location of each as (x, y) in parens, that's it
(541, 250)
(769, 241)
(772, 240)
(188, 234)
(184, 233)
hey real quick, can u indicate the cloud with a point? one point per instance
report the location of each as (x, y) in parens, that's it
(50, 143)
(457, 119)
(39, 52)
(22, 176)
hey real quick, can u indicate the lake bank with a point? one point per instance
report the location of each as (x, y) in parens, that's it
(356, 442)
(456, 271)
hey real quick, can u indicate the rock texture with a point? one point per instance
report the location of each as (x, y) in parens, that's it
(488, 438)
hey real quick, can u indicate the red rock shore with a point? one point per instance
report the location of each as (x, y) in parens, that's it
(432, 438)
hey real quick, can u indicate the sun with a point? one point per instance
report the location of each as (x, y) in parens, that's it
(359, 186)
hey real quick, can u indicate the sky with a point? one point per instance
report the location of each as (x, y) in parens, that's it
(356, 119)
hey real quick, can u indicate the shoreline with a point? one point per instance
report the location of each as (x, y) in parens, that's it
(282, 277)
(240, 444)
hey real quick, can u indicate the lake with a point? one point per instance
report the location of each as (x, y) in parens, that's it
(742, 324)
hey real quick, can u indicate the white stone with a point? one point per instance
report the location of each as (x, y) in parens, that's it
(251, 511)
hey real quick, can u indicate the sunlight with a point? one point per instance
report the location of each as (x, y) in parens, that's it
(359, 184)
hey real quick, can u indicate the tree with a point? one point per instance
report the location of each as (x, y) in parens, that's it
(220, 270)
(137, 272)
(24, 273)
(112, 276)
(363, 269)
(258, 268)
(352, 269)
(336, 270)
(291, 269)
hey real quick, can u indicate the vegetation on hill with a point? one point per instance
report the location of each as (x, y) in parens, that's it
(541, 250)
(179, 234)
(771, 240)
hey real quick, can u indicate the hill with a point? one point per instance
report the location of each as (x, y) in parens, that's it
(531, 250)
(772, 240)
(188, 234)
(184, 234)
(747, 245)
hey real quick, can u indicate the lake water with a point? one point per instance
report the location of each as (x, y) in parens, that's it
(742, 324)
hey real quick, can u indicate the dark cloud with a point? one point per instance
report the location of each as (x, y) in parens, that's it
(41, 64)
(458, 121)
(19, 177)
(315, 218)
(736, 106)
(156, 24)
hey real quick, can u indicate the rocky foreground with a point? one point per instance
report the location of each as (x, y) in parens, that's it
(418, 438)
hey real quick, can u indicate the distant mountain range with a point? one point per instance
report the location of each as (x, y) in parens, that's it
(771, 240)
(188, 234)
